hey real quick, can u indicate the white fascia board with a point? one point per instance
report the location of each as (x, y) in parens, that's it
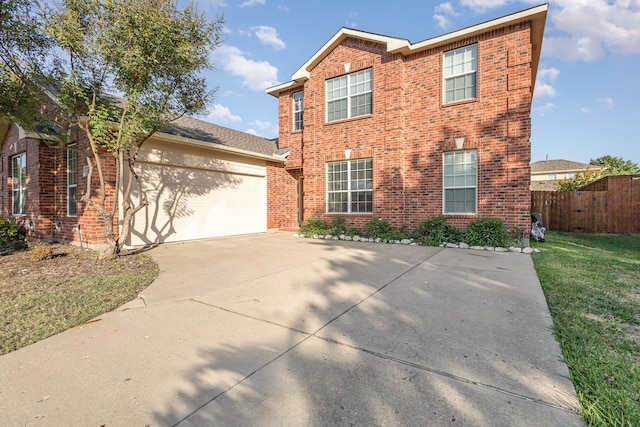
(275, 90)
(216, 147)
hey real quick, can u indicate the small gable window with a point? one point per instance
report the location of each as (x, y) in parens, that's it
(349, 96)
(298, 110)
(461, 74)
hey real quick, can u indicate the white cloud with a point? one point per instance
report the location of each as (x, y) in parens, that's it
(442, 13)
(441, 20)
(585, 110)
(261, 125)
(252, 132)
(221, 114)
(546, 76)
(257, 75)
(351, 21)
(482, 5)
(445, 8)
(252, 3)
(594, 26)
(269, 36)
(541, 111)
(607, 101)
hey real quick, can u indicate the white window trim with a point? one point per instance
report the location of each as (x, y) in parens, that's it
(301, 111)
(446, 78)
(349, 96)
(444, 188)
(21, 188)
(72, 150)
(349, 191)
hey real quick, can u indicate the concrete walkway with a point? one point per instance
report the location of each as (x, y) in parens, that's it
(269, 330)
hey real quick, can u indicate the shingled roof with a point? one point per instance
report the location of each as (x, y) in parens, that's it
(188, 127)
(545, 166)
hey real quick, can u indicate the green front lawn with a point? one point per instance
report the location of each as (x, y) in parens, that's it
(592, 286)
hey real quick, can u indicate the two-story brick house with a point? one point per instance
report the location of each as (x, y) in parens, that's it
(377, 126)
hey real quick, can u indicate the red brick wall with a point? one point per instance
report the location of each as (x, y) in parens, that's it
(410, 128)
(282, 185)
(46, 216)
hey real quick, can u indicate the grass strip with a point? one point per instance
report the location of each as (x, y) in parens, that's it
(592, 286)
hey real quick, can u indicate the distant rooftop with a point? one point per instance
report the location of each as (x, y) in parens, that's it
(546, 166)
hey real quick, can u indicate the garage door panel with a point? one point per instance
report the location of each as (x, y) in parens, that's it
(186, 204)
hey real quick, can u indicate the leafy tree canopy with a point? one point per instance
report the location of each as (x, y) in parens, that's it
(61, 65)
(602, 166)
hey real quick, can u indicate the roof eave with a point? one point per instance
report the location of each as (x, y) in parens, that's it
(217, 147)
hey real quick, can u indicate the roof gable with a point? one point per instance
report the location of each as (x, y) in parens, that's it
(537, 16)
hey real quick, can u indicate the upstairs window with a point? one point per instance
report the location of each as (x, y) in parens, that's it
(19, 184)
(460, 182)
(461, 74)
(350, 186)
(349, 96)
(298, 110)
(72, 180)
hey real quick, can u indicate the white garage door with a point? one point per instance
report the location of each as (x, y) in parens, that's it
(197, 194)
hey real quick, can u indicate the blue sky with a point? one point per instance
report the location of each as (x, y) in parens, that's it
(587, 100)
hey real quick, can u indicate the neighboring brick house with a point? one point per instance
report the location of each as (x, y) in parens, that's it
(201, 180)
(546, 173)
(380, 127)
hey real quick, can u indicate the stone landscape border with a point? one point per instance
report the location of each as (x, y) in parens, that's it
(411, 242)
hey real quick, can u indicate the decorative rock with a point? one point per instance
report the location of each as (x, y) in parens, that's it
(414, 244)
(378, 240)
(356, 238)
(405, 241)
(536, 250)
(464, 245)
(527, 250)
(370, 239)
(341, 237)
(514, 249)
(296, 235)
(328, 237)
(348, 238)
(451, 245)
(477, 248)
(501, 249)
(336, 238)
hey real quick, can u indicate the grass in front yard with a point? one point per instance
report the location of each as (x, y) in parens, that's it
(592, 286)
(42, 298)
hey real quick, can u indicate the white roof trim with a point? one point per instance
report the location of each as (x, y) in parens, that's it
(405, 47)
(216, 147)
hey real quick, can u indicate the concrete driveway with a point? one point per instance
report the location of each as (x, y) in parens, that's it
(270, 330)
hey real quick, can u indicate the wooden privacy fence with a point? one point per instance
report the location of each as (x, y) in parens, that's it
(609, 205)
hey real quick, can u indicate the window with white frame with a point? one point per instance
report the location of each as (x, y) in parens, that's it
(298, 111)
(349, 95)
(460, 182)
(461, 74)
(350, 186)
(72, 180)
(19, 184)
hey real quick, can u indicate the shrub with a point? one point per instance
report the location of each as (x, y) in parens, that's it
(435, 231)
(10, 235)
(378, 227)
(315, 226)
(487, 232)
(40, 251)
(338, 226)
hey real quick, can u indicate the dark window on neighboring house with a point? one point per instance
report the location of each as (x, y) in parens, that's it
(350, 186)
(298, 111)
(19, 184)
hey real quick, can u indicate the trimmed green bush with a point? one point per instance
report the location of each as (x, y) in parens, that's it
(10, 235)
(487, 232)
(338, 226)
(435, 231)
(314, 226)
